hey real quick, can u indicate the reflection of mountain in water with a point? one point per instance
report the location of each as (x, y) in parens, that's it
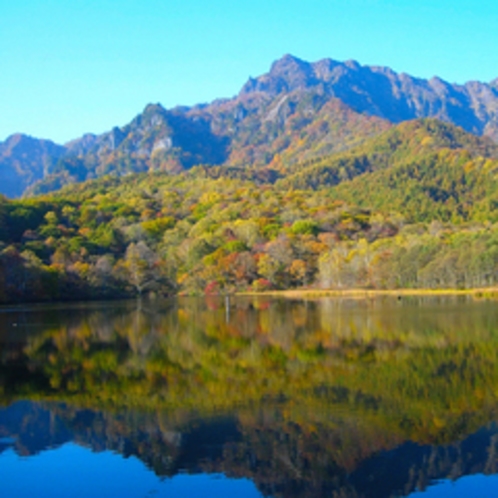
(327, 398)
(282, 460)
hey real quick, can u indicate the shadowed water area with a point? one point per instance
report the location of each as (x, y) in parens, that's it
(250, 397)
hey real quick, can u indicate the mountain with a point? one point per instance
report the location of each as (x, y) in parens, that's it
(25, 160)
(296, 112)
(249, 130)
(156, 139)
(379, 91)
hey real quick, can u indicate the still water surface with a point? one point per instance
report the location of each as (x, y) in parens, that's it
(263, 397)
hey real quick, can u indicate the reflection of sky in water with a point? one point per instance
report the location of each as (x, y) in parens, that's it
(478, 486)
(73, 471)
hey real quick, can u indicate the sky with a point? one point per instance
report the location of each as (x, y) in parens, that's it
(70, 67)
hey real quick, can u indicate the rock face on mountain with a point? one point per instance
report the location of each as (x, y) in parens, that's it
(379, 91)
(249, 130)
(156, 138)
(296, 112)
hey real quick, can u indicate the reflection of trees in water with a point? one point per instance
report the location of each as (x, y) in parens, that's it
(419, 367)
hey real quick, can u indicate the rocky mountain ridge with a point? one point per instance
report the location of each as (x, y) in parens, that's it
(381, 92)
(296, 112)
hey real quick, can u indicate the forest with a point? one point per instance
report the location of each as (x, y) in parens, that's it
(414, 207)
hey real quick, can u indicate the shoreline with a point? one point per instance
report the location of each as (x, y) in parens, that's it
(479, 292)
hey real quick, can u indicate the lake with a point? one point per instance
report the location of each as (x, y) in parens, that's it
(250, 397)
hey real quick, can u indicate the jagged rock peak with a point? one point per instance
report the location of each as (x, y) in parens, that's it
(352, 64)
(152, 115)
(288, 64)
(151, 109)
(286, 74)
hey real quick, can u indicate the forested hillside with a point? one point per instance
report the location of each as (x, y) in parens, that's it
(425, 169)
(413, 207)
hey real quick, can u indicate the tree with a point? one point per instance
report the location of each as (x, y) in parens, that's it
(143, 267)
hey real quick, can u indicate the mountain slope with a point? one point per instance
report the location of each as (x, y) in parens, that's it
(380, 91)
(25, 160)
(443, 185)
(296, 112)
(298, 125)
(407, 141)
(424, 169)
(258, 131)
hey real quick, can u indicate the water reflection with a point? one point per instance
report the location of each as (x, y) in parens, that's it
(366, 398)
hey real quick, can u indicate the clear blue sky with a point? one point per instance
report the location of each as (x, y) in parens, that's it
(75, 66)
